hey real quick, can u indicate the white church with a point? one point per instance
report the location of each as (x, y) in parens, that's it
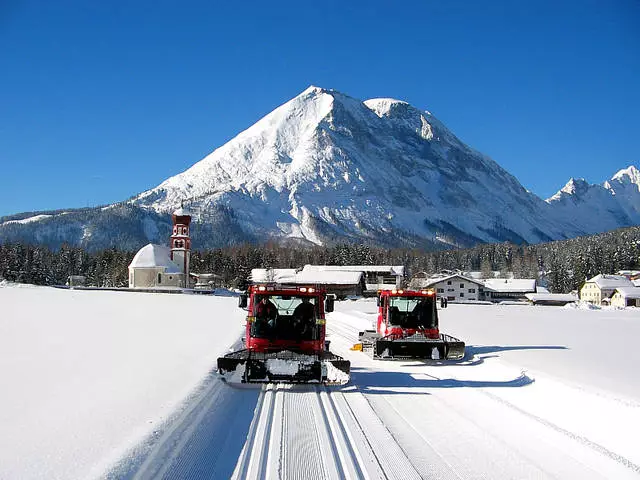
(158, 266)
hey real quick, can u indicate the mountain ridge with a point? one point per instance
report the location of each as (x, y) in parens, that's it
(326, 167)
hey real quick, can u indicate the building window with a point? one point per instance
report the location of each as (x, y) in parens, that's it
(461, 294)
(449, 289)
(462, 285)
(449, 282)
(159, 278)
(472, 290)
(440, 290)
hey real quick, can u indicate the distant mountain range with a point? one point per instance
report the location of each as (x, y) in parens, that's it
(325, 167)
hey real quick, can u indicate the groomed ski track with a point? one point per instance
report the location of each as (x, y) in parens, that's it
(395, 420)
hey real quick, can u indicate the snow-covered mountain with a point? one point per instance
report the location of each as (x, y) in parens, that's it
(326, 167)
(613, 204)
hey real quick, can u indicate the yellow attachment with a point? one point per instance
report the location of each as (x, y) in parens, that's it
(320, 321)
(251, 319)
(357, 347)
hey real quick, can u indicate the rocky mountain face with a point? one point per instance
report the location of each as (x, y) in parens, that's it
(325, 167)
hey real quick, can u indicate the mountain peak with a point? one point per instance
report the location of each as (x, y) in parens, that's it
(628, 175)
(313, 89)
(575, 186)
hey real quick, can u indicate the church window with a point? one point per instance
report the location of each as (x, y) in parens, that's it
(159, 278)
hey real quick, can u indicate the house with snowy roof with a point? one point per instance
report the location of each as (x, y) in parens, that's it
(505, 289)
(456, 287)
(547, 298)
(338, 282)
(600, 289)
(376, 277)
(159, 266)
(626, 297)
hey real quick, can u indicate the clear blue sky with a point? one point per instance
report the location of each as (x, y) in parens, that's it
(102, 100)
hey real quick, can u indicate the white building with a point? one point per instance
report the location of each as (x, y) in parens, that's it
(157, 266)
(600, 288)
(456, 288)
(152, 267)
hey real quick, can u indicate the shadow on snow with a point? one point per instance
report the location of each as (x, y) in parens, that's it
(377, 382)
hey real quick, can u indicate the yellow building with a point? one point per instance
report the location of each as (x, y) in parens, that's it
(626, 297)
(600, 289)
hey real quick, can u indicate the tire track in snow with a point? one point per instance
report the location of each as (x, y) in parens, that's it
(201, 441)
(521, 460)
(301, 432)
(254, 458)
(574, 436)
(620, 459)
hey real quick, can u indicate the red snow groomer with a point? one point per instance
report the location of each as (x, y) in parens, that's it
(407, 327)
(285, 339)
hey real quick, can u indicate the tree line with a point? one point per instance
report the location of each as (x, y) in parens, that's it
(563, 265)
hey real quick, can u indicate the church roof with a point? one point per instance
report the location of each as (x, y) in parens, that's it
(151, 256)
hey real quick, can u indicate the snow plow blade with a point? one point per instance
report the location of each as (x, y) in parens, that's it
(246, 366)
(418, 346)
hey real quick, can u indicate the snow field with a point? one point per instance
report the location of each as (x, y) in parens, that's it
(86, 375)
(120, 385)
(485, 417)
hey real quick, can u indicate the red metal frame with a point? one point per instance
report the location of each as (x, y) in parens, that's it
(267, 345)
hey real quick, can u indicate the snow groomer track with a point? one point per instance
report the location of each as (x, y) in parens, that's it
(312, 432)
(478, 418)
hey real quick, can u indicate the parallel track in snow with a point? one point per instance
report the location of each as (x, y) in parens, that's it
(396, 420)
(316, 432)
(469, 432)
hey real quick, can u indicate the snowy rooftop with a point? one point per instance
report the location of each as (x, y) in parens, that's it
(152, 255)
(610, 281)
(260, 275)
(511, 284)
(556, 297)
(391, 269)
(290, 275)
(434, 280)
(629, 292)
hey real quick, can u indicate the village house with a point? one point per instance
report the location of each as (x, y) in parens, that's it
(508, 289)
(376, 277)
(339, 283)
(556, 299)
(626, 297)
(456, 288)
(599, 289)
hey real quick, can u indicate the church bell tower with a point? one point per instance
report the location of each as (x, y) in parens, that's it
(181, 242)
